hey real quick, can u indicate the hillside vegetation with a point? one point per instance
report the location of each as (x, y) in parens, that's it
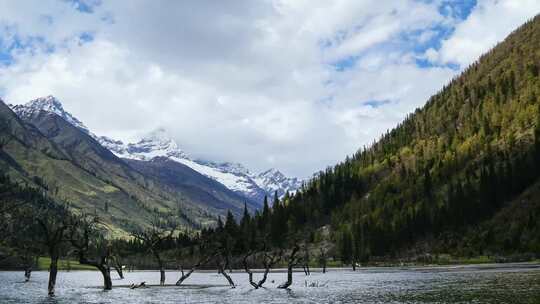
(457, 176)
(68, 165)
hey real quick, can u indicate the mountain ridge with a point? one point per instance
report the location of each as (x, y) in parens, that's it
(94, 179)
(233, 175)
(158, 143)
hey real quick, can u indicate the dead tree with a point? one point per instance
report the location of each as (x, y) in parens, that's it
(28, 260)
(202, 261)
(221, 263)
(291, 263)
(54, 221)
(54, 237)
(205, 246)
(27, 274)
(305, 260)
(117, 266)
(323, 260)
(152, 239)
(269, 260)
(86, 237)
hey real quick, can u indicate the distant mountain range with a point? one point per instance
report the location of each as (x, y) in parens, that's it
(234, 176)
(158, 144)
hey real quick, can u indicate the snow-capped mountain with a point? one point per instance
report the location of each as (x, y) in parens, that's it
(159, 143)
(234, 176)
(273, 180)
(47, 104)
(155, 144)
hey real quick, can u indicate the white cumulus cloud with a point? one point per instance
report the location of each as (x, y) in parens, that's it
(269, 83)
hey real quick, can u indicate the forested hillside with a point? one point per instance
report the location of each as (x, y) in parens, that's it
(457, 176)
(51, 155)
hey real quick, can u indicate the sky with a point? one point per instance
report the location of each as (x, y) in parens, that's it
(293, 85)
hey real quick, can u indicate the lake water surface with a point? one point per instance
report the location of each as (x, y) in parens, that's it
(517, 283)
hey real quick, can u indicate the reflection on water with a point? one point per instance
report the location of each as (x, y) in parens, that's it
(508, 284)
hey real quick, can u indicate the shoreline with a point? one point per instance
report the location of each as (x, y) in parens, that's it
(420, 268)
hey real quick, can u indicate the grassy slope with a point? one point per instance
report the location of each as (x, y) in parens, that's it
(27, 154)
(44, 262)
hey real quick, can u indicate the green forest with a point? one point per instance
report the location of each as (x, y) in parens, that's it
(458, 176)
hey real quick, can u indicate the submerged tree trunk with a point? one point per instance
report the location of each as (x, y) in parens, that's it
(289, 278)
(27, 273)
(53, 271)
(118, 267)
(293, 261)
(322, 260)
(269, 261)
(229, 279)
(107, 282)
(161, 275)
(306, 261)
(186, 275)
(249, 272)
(221, 268)
(161, 265)
(102, 266)
(28, 261)
(306, 270)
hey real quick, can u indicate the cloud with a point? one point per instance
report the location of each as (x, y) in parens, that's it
(489, 23)
(270, 83)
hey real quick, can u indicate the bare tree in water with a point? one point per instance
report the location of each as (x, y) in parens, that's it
(153, 237)
(222, 261)
(268, 258)
(206, 254)
(293, 260)
(54, 220)
(323, 257)
(117, 264)
(305, 261)
(91, 247)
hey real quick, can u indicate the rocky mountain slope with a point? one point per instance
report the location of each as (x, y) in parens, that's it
(234, 176)
(29, 157)
(49, 148)
(159, 143)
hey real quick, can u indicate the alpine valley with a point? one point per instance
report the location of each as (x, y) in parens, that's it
(47, 147)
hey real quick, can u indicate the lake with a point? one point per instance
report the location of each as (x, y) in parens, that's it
(510, 283)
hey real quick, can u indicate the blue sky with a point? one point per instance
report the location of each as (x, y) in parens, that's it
(413, 41)
(256, 82)
(406, 42)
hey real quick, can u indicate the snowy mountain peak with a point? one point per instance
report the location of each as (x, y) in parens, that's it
(48, 104)
(272, 173)
(115, 146)
(157, 143)
(159, 134)
(273, 180)
(235, 168)
(160, 143)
